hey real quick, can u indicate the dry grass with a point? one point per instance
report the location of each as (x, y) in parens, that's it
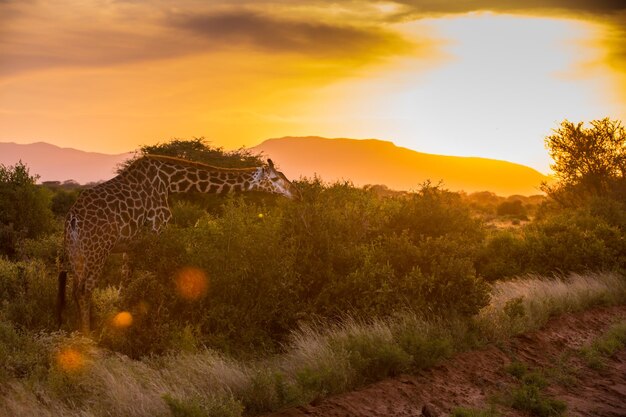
(526, 303)
(319, 360)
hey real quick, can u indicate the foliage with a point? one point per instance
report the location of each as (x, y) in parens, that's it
(342, 250)
(24, 207)
(612, 341)
(576, 239)
(512, 208)
(199, 150)
(22, 355)
(587, 160)
(316, 361)
(62, 201)
(378, 283)
(530, 394)
(27, 294)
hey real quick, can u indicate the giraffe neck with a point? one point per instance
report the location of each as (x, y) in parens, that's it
(178, 176)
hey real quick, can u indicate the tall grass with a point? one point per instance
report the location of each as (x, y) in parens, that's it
(526, 303)
(318, 360)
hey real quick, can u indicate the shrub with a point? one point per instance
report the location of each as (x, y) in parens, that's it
(574, 242)
(503, 255)
(22, 355)
(62, 200)
(24, 207)
(529, 395)
(512, 208)
(268, 264)
(28, 294)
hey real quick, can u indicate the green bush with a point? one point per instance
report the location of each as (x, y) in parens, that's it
(574, 242)
(62, 200)
(28, 294)
(529, 395)
(24, 207)
(512, 208)
(503, 255)
(271, 263)
(589, 238)
(268, 263)
(22, 354)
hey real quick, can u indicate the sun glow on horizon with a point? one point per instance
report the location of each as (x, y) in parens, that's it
(499, 86)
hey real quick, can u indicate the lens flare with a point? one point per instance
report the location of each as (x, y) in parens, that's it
(191, 283)
(70, 360)
(122, 320)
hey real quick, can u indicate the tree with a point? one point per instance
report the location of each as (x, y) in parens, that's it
(24, 207)
(199, 150)
(587, 160)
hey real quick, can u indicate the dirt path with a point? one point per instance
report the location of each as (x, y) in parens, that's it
(473, 378)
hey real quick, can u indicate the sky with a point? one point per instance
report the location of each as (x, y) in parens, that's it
(487, 78)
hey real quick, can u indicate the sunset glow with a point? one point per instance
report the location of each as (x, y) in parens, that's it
(489, 81)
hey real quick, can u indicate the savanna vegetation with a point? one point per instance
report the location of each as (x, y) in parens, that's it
(249, 303)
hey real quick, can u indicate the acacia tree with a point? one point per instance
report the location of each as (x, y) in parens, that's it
(587, 160)
(199, 150)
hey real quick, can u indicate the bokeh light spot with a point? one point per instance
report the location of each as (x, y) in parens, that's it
(70, 360)
(123, 319)
(191, 283)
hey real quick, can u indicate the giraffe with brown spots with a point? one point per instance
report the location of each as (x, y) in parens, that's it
(112, 213)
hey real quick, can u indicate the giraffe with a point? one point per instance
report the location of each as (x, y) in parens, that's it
(112, 213)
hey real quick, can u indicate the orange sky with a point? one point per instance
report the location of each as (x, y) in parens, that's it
(482, 78)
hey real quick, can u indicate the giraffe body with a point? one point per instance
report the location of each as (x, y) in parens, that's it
(113, 212)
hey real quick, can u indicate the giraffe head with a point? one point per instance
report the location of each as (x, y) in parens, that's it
(274, 181)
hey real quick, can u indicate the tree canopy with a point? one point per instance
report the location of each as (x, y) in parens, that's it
(587, 160)
(199, 150)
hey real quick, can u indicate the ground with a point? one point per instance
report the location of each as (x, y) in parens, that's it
(482, 379)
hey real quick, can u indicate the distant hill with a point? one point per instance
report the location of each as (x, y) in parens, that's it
(373, 161)
(53, 163)
(368, 161)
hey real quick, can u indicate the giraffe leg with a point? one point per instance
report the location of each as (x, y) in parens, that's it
(84, 307)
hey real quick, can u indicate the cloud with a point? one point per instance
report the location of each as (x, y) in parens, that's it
(35, 35)
(268, 33)
(615, 41)
(43, 38)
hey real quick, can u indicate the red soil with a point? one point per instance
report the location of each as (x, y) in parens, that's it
(470, 379)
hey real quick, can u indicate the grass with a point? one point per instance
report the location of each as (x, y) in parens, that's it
(613, 340)
(318, 360)
(529, 394)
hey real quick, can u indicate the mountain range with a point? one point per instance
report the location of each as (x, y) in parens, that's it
(53, 163)
(368, 161)
(372, 161)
